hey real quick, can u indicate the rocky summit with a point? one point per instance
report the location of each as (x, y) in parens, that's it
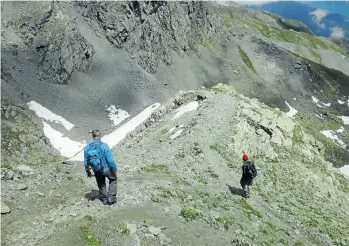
(180, 91)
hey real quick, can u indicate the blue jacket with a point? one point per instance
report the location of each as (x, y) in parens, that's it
(108, 157)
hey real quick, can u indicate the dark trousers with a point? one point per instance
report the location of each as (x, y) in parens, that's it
(110, 195)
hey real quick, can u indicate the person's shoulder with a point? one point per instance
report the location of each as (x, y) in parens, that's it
(105, 146)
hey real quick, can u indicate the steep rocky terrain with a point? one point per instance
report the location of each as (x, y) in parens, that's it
(179, 184)
(79, 60)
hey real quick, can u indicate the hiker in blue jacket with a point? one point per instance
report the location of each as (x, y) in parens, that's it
(98, 156)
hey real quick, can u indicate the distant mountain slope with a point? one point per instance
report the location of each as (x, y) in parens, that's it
(321, 21)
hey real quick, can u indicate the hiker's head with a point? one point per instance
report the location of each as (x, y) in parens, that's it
(245, 157)
(96, 134)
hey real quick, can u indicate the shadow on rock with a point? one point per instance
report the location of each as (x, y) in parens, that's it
(92, 195)
(235, 191)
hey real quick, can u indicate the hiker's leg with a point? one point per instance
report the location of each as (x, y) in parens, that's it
(243, 186)
(112, 176)
(100, 178)
(248, 190)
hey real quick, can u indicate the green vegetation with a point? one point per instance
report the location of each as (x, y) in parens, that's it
(292, 22)
(189, 214)
(123, 230)
(202, 180)
(299, 243)
(212, 173)
(211, 44)
(246, 60)
(225, 221)
(89, 236)
(211, 200)
(249, 210)
(224, 155)
(155, 168)
(290, 36)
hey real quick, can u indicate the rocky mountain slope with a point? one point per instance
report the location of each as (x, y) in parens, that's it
(179, 184)
(69, 67)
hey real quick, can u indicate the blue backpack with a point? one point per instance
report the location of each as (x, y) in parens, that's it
(95, 156)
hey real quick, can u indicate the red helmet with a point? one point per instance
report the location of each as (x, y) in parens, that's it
(245, 157)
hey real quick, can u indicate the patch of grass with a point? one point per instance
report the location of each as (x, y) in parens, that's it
(189, 214)
(312, 223)
(225, 221)
(123, 230)
(89, 236)
(290, 36)
(212, 173)
(223, 154)
(212, 200)
(299, 243)
(249, 210)
(202, 180)
(155, 168)
(283, 241)
(246, 60)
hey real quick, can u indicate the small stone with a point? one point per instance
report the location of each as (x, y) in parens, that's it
(22, 187)
(236, 72)
(148, 235)
(40, 194)
(4, 208)
(10, 175)
(154, 230)
(132, 228)
(73, 214)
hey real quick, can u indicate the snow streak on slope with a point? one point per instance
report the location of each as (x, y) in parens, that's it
(119, 134)
(186, 108)
(292, 111)
(46, 114)
(66, 146)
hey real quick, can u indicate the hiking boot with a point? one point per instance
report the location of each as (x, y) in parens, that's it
(112, 202)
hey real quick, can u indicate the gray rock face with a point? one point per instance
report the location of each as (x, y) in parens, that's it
(47, 30)
(4, 208)
(152, 28)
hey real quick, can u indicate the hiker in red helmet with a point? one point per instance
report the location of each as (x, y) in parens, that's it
(249, 171)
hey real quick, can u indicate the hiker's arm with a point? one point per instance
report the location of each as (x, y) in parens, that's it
(85, 159)
(109, 157)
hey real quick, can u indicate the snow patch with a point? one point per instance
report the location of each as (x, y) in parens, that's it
(319, 103)
(117, 115)
(176, 134)
(332, 135)
(340, 130)
(292, 111)
(173, 128)
(319, 116)
(185, 108)
(119, 134)
(345, 119)
(66, 146)
(295, 99)
(46, 114)
(345, 170)
(340, 102)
